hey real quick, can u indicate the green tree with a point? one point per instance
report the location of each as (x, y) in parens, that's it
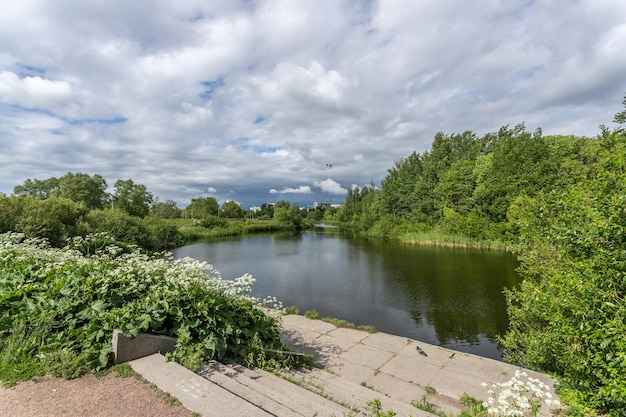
(81, 188)
(53, 218)
(133, 198)
(398, 187)
(267, 209)
(315, 215)
(519, 165)
(232, 210)
(37, 188)
(78, 187)
(118, 224)
(202, 207)
(11, 211)
(288, 215)
(165, 210)
(456, 187)
(162, 233)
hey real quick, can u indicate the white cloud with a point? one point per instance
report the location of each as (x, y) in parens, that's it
(34, 92)
(247, 96)
(211, 190)
(303, 189)
(329, 186)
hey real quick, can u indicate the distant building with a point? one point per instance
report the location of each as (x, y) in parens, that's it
(321, 205)
(236, 202)
(255, 209)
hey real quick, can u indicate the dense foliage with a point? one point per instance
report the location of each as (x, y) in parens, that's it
(63, 304)
(465, 185)
(569, 316)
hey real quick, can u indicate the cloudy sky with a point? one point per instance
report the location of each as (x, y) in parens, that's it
(289, 99)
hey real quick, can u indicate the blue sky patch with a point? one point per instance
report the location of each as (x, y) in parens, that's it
(113, 121)
(210, 87)
(30, 71)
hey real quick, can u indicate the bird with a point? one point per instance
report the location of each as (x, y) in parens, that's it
(421, 352)
(329, 165)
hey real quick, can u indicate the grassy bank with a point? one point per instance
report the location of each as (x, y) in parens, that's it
(193, 230)
(454, 241)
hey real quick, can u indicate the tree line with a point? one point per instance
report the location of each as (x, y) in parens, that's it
(78, 204)
(470, 186)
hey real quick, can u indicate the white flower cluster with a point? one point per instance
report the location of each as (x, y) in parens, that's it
(517, 397)
(135, 270)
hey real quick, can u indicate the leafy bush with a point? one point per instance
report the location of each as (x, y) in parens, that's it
(569, 317)
(211, 221)
(163, 234)
(119, 225)
(54, 218)
(63, 305)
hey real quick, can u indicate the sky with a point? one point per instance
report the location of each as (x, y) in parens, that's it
(297, 100)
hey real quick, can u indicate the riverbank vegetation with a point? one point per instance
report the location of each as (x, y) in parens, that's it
(59, 307)
(77, 204)
(466, 188)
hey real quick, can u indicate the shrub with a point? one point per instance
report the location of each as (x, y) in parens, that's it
(119, 225)
(211, 222)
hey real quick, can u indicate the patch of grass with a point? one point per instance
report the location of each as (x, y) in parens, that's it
(430, 390)
(123, 370)
(475, 408)
(312, 314)
(346, 324)
(366, 385)
(18, 355)
(376, 409)
(292, 310)
(18, 368)
(430, 407)
(367, 328)
(432, 238)
(65, 363)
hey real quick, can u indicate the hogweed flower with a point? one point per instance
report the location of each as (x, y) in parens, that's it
(519, 396)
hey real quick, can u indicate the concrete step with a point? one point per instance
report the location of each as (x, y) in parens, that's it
(355, 396)
(193, 391)
(272, 394)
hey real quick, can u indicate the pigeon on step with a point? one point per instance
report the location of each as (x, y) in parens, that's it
(421, 352)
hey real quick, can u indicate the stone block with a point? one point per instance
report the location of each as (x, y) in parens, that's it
(126, 349)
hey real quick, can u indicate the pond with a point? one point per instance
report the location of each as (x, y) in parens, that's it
(449, 297)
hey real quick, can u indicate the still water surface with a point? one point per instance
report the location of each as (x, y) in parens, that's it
(442, 296)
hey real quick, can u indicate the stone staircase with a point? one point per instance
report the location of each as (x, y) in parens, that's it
(302, 393)
(272, 394)
(353, 369)
(232, 390)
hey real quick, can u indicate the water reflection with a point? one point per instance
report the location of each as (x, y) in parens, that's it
(443, 296)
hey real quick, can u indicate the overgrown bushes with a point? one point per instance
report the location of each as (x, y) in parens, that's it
(569, 316)
(61, 302)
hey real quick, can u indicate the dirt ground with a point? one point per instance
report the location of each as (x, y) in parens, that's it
(88, 396)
